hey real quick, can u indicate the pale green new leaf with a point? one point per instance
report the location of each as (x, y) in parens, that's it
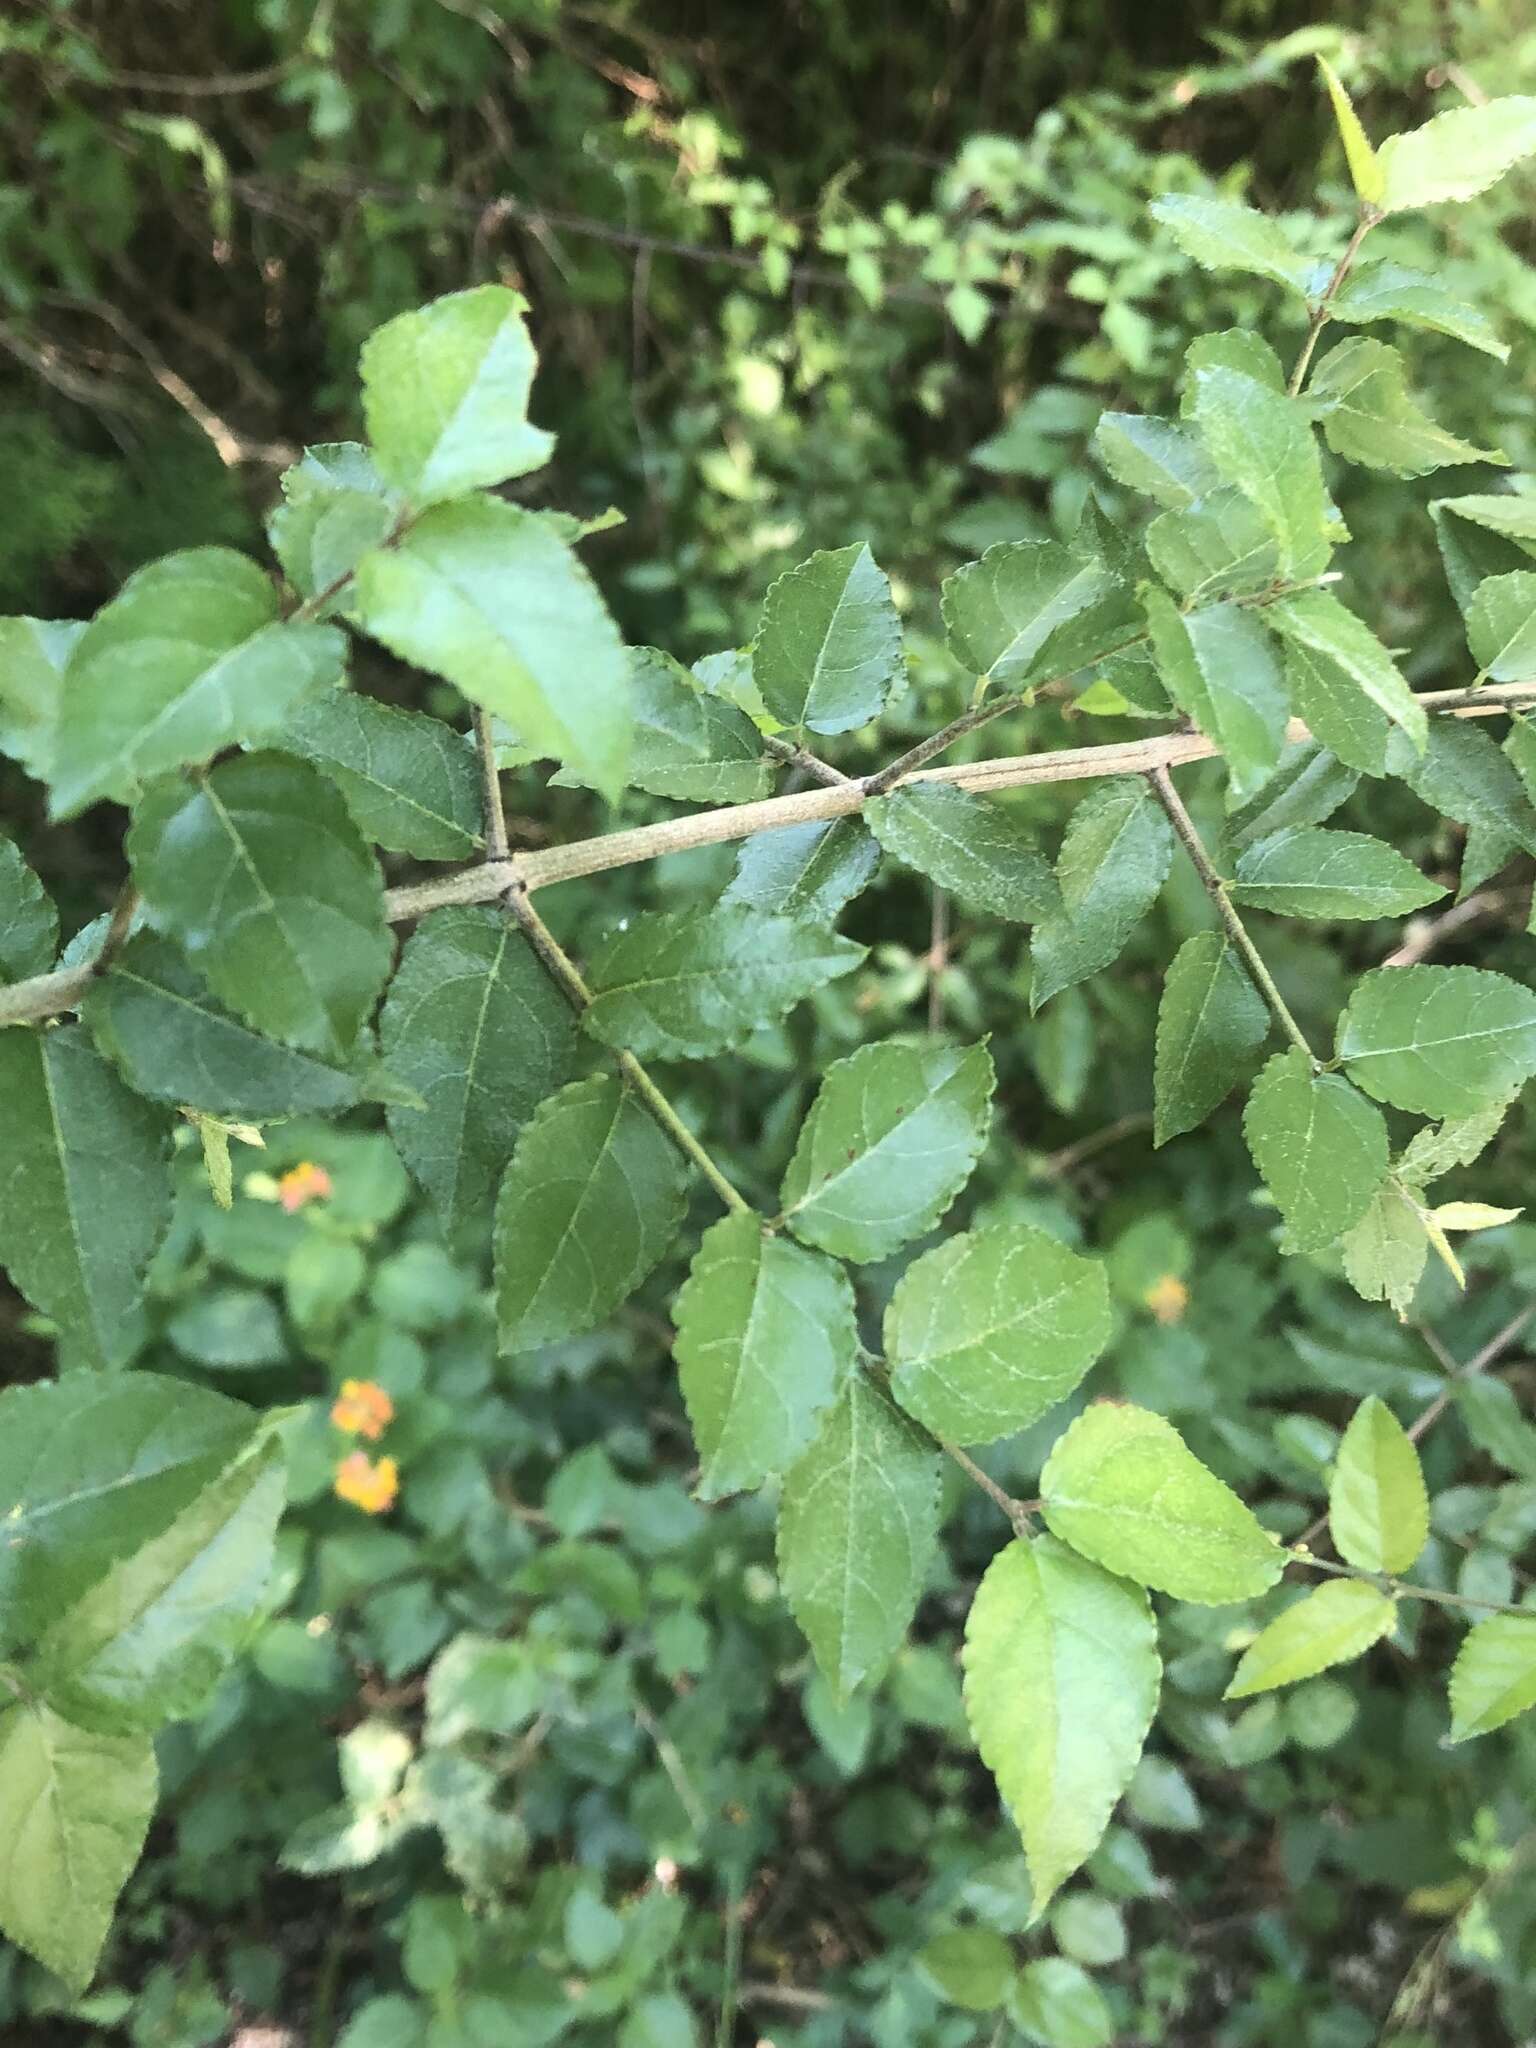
(688, 744)
(681, 984)
(1113, 860)
(1321, 1147)
(1494, 1676)
(1158, 457)
(989, 1330)
(1378, 1511)
(1315, 620)
(490, 596)
(590, 1203)
(78, 1807)
(475, 1027)
(1388, 291)
(1210, 1023)
(891, 1139)
(1331, 1625)
(259, 872)
(1433, 1151)
(1444, 1041)
(85, 1189)
(806, 871)
(1456, 155)
(1364, 169)
(858, 1521)
(189, 657)
(1308, 871)
(1501, 627)
(1034, 608)
(29, 924)
(1369, 415)
(1220, 667)
(335, 507)
(1123, 1488)
(445, 395)
(765, 1340)
(980, 849)
(1061, 1682)
(33, 657)
(1384, 1253)
(410, 781)
(828, 649)
(1220, 234)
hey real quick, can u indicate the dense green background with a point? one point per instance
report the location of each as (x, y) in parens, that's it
(799, 274)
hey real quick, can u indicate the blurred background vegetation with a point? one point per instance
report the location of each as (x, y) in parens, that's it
(536, 1754)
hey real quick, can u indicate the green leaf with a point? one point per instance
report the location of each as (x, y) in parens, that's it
(259, 873)
(489, 596)
(1378, 1511)
(1463, 775)
(93, 1467)
(891, 1139)
(1337, 710)
(980, 849)
(590, 1203)
(688, 744)
(79, 1808)
(33, 657)
(1033, 608)
(1056, 2004)
(1456, 155)
(1113, 861)
(169, 1038)
(971, 1967)
(29, 924)
(1321, 1147)
(1501, 627)
(150, 1640)
(1364, 169)
(1210, 1022)
(1307, 871)
(1444, 1041)
(858, 1521)
(1260, 441)
(1216, 547)
(828, 649)
(1388, 291)
(1332, 1625)
(1122, 1487)
(1221, 235)
(1220, 667)
(680, 984)
(187, 659)
(475, 1027)
(335, 508)
(765, 1340)
(1308, 786)
(1316, 622)
(445, 395)
(1369, 415)
(1061, 1682)
(1158, 457)
(86, 1190)
(1500, 512)
(805, 871)
(1494, 1676)
(410, 781)
(1384, 1253)
(1431, 1152)
(989, 1330)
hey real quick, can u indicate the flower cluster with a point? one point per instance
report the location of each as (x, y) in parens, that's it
(363, 1408)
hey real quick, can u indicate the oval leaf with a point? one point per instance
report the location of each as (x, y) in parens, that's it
(1445, 1041)
(1378, 1511)
(979, 849)
(1321, 1147)
(1333, 1625)
(828, 650)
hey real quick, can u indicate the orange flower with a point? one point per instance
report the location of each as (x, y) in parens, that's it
(303, 1183)
(371, 1487)
(1167, 1298)
(363, 1409)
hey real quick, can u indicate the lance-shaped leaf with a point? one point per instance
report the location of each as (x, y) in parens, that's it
(491, 596)
(475, 1027)
(335, 507)
(1220, 666)
(85, 1189)
(1321, 1147)
(1501, 627)
(1222, 235)
(891, 1139)
(589, 1205)
(1158, 457)
(1370, 416)
(170, 1039)
(187, 659)
(828, 648)
(410, 781)
(79, 1807)
(1307, 871)
(1123, 1488)
(1315, 621)
(1444, 1041)
(1334, 1624)
(1389, 291)
(1217, 547)
(1378, 1511)
(1033, 608)
(1308, 786)
(29, 924)
(688, 744)
(1384, 1253)
(858, 1521)
(33, 657)
(1364, 169)
(260, 874)
(765, 1340)
(1464, 776)
(1113, 861)
(680, 984)
(1456, 155)
(1061, 1682)
(805, 871)
(1494, 1676)
(1210, 1023)
(980, 849)
(989, 1330)
(1261, 441)
(445, 395)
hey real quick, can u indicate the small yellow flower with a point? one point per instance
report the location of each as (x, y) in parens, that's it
(303, 1184)
(1167, 1298)
(369, 1486)
(363, 1409)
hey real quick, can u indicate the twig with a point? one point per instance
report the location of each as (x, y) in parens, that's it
(1368, 219)
(1426, 935)
(492, 809)
(1017, 1512)
(1057, 1164)
(1407, 1590)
